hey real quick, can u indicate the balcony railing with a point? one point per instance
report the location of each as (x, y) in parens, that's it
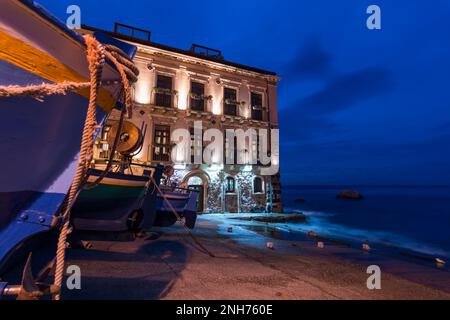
(257, 113)
(230, 109)
(163, 100)
(164, 97)
(207, 52)
(198, 101)
(132, 32)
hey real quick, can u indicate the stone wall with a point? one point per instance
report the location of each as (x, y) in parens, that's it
(217, 201)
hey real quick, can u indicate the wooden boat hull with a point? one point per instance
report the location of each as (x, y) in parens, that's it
(40, 141)
(119, 203)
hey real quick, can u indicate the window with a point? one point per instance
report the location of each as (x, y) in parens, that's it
(197, 96)
(161, 143)
(163, 96)
(230, 103)
(257, 185)
(230, 185)
(197, 147)
(256, 106)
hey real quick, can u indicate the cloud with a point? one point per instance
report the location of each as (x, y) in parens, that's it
(420, 161)
(305, 127)
(346, 90)
(311, 61)
(340, 93)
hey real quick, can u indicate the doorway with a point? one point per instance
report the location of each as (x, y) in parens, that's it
(196, 183)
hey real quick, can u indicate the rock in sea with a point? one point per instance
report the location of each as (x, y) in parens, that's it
(350, 195)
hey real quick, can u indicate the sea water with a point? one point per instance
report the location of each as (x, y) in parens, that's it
(414, 218)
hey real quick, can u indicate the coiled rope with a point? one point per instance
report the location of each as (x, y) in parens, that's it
(96, 54)
(96, 60)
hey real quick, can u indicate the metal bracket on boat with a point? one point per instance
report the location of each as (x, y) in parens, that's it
(36, 217)
(3, 286)
(30, 288)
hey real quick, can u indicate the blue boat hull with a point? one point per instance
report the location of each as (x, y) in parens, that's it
(40, 141)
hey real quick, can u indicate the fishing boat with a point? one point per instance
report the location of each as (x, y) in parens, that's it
(40, 135)
(120, 203)
(174, 203)
(124, 198)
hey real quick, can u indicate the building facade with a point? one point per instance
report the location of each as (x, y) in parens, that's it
(178, 89)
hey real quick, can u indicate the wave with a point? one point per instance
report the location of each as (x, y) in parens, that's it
(309, 213)
(318, 223)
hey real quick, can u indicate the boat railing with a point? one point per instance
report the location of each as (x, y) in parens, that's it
(105, 161)
(178, 189)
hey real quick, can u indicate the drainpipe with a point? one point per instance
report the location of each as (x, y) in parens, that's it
(238, 192)
(269, 140)
(269, 137)
(224, 206)
(271, 196)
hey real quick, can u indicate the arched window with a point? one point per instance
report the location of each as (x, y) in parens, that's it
(257, 185)
(230, 186)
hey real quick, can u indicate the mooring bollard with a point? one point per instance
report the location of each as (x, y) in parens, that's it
(440, 262)
(311, 234)
(269, 245)
(320, 245)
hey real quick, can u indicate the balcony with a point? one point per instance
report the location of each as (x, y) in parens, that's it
(257, 113)
(230, 109)
(164, 97)
(163, 100)
(197, 102)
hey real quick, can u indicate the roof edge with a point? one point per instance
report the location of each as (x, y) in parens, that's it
(180, 51)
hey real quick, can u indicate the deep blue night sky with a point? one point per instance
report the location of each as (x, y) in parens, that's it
(357, 106)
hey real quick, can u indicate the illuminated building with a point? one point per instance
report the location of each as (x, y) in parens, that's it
(179, 87)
